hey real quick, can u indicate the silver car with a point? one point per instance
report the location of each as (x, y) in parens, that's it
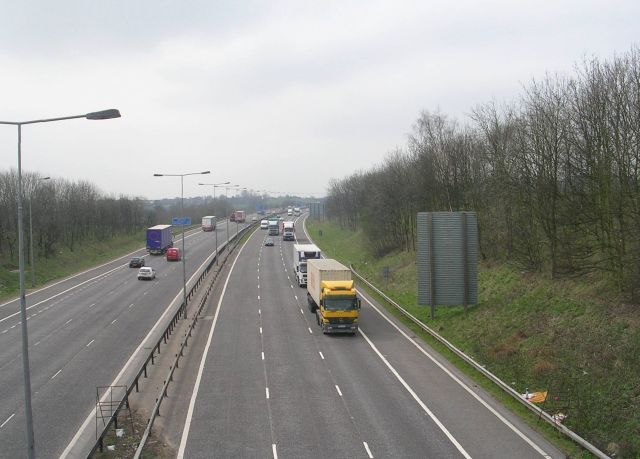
(146, 273)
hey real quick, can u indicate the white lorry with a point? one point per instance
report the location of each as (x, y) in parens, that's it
(209, 223)
(287, 231)
(296, 211)
(302, 253)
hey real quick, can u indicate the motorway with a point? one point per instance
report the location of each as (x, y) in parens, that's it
(83, 333)
(270, 384)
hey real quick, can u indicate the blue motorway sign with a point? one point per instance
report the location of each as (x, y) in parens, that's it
(180, 221)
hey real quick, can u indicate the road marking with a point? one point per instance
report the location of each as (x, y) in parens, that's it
(301, 311)
(37, 343)
(263, 356)
(33, 315)
(68, 321)
(275, 451)
(321, 356)
(462, 384)
(91, 305)
(339, 391)
(261, 330)
(368, 450)
(292, 286)
(114, 321)
(131, 305)
(90, 342)
(259, 312)
(267, 392)
(309, 328)
(415, 397)
(9, 419)
(13, 326)
(258, 285)
(258, 296)
(4, 331)
(57, 373)
(296, 296)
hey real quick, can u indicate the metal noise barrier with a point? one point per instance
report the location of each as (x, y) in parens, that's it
(165, 335)
(504, 386)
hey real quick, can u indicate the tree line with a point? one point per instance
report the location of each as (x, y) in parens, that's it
(553, 176)
(66, 213)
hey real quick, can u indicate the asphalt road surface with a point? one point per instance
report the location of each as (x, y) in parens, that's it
(83, 331)
(270, 384)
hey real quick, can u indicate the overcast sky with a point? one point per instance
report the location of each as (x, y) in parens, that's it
(276, 95)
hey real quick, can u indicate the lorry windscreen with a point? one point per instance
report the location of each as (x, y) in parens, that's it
(336, 303)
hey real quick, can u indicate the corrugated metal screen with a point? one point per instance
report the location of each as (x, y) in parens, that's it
(441, 256)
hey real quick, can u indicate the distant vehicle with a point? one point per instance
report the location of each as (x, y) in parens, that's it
(254, 219)
(296, 211)
(289, 212)
(274, 227)
(331, 294)
(302, 253)
(136, 262)
(146, 273)
(268, 242)
(159, 239)
(264, 224)
(232, 217)
(209, 223)
(239, 216)
(287, 231)
(173, 254)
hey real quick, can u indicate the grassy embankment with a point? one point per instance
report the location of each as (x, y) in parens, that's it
(534, 333)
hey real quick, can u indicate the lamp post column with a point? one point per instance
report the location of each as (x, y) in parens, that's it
(23, 312)
(184, 269)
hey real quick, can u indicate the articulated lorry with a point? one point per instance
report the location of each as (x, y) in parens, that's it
(159, 239)
(209, 223)
(331, 294)
(287, 231)
(302, 253)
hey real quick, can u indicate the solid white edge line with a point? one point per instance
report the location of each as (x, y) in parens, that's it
(366, 447)
(8, 419)
(462, 384)
(57, 373)
(90, 343)
(194, 394)
(416, 398)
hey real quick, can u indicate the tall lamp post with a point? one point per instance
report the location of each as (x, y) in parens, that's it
(215, 185)
(101, 115)
(226, 193)
(184, 268)
(31, 256)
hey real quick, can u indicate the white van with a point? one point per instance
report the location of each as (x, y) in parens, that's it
(264, 224)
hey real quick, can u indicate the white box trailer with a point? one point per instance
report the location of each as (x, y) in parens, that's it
(209, 223)
(321, 270)
(302, 253)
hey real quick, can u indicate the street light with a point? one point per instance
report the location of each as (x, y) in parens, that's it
(215, 185)
(102, 115)
(226, 193)
(184, 268)
(31, 256)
